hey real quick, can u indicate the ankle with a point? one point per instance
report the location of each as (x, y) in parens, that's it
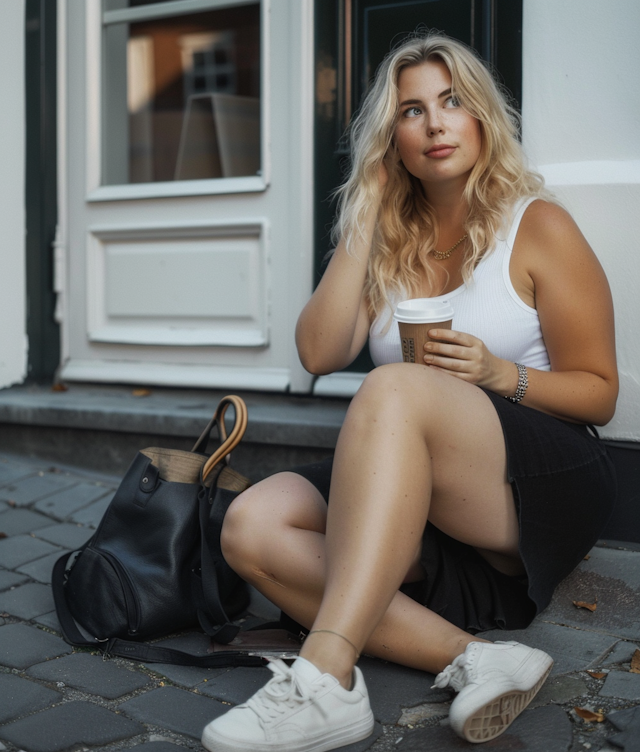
(331, 654)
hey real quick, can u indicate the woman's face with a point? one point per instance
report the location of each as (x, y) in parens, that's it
(438, 141)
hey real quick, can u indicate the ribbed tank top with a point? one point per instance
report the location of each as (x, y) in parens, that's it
(488, 307)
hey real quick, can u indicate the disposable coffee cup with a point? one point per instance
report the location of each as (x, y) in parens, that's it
(415, 318)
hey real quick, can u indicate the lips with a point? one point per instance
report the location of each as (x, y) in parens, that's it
(439, 151)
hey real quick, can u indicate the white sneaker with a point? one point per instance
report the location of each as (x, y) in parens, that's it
(495, 682)
(298, 710)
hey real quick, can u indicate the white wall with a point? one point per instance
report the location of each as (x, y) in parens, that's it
(581, 129)
(13, 340)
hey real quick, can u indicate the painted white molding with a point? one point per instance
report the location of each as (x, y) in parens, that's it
(166, 374)
(247, 327)
(177, 188)
(343, 384)
(592, 173)
(176, 8)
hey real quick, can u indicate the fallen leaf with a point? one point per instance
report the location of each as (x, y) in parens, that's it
(589, 715)
(588, 606)
(587, 557)
(141, 392)
(59, 387)
(3, 535)
(596, 674)
(635, 662)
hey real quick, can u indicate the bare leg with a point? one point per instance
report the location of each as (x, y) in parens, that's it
(416, 444)
(286, 510)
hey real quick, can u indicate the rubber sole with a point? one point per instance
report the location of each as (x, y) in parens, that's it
(332, 740)
(494, 718)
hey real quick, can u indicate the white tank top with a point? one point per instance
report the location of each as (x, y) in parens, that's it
(488, 307)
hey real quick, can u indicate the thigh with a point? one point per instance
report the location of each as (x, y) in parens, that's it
(472, 499)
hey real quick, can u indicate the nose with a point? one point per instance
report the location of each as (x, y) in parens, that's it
(434, 124)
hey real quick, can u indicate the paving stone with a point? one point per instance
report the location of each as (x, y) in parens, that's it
(622, 684)
(65, 535)
(41, 569)
(67, 725)
(21, 646)
(17, 521)
(10, 579)
(622, 653)
(65, 502)
(236, 685)
(49, 620)
(27, 601)
(35, 487)
(195, 643)
(11, 472)
(156, 747)
(610, 577)
(571, 650)
(175, 709)
(365, 743)
(540, 730)
(393, 687)
(20, 696)
(23, 548)
(91, 674)
(628, 722)
(559, 689)
(93, 514)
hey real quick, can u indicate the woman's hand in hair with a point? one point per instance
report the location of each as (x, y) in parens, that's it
(467, 357)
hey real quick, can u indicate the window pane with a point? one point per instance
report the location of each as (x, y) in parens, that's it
(182, 97)
(120, 4)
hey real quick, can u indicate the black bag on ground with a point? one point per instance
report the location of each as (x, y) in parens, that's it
(154, 566)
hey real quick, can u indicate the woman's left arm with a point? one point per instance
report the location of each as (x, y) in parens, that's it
(552, 264)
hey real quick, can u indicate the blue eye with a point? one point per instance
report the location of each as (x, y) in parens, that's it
(412, 112)
(452, 101)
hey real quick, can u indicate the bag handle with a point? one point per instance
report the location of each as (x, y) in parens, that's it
(230, 442)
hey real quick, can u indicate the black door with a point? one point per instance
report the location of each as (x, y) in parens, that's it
(352, 38)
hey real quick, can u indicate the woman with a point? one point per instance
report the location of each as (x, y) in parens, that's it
(452, 510)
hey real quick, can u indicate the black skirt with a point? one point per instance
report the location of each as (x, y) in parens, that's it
(564, 489)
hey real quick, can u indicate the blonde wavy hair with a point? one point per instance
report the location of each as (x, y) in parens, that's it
(406, 228)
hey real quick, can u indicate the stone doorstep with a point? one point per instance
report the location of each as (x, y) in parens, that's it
(281, 419)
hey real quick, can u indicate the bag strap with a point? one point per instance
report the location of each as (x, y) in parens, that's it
(137, 651)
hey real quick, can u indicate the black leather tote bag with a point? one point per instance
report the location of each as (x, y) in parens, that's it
(154, 566)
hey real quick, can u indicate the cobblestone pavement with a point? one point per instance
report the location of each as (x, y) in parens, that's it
(53, 697)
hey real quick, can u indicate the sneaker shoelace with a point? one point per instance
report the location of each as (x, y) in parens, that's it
(456, 674)
(282, 692)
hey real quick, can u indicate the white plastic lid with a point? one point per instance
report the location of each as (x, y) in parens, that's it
(423, 311)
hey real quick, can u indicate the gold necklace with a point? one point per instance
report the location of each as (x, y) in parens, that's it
(440, 255)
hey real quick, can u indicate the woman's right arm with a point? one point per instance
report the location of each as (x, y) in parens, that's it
(334, 325)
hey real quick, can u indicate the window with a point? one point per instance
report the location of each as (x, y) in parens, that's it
(181, 91)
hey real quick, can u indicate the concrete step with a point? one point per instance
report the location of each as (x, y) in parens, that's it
(102, 427)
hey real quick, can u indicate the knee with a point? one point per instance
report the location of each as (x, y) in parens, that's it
(395, 388)
(241, 530)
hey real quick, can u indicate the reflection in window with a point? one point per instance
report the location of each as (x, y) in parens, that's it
(182, 97)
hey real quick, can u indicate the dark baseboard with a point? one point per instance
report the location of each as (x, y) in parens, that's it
(624, 524)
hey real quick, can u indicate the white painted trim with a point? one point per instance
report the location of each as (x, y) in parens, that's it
(592, 173)
(93, 94)
(301, 234)
(343, 384)
(165, 374)
(177, 188)
(164, 10)
(265, 91)
(175, 334)
(192, 229)
(61, 242)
